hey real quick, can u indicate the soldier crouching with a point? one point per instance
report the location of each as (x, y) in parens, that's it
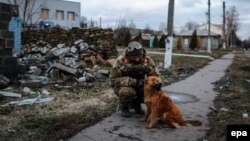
(127, 77)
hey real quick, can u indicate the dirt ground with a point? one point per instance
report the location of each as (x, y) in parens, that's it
(76, 108)
(232, 105)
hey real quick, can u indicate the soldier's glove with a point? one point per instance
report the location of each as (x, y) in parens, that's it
(138, 69)
(139, 83)
(123, 82)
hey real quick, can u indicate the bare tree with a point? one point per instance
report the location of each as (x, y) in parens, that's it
(122, 32)
(83, 22)
(232, 19)
(92, 23)
(163, 27)
(147, 29)
(27, 10)
(132, 24)
(121, 23)
(190, 26)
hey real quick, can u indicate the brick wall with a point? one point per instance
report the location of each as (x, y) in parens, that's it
(8, 64)
(6, 36)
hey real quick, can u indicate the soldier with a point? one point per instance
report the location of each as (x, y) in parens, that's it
(127, 77)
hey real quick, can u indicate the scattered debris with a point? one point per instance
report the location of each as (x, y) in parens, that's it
(224, 109)
(65, 68)
(248, 81)
(31, 83)
(245, 115)
(27, 90)
(245, 67)
(62, 87)
(4, 81)
(10, 94)
(213, 110)
(223, 84)
(29, 101)
(45, 92)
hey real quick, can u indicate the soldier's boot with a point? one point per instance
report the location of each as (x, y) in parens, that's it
(137, 106)
(125, 111)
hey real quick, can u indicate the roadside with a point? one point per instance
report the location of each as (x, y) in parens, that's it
(75, 107)
(198, 85)
(233, 101)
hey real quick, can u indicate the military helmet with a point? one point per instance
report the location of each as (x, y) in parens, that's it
(134, 48)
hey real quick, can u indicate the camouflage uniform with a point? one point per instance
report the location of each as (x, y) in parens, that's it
(127, 79)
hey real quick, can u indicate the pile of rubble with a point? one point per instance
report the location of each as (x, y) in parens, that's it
(102, 40)
(80, 63)
(64, 59)
(56, 55)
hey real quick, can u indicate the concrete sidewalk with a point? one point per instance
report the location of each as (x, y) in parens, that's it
(199, 85)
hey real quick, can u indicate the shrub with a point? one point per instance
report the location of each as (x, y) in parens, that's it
(162, 41)
(179, 43)
(156, 42)
(193, 42)
(199, 42)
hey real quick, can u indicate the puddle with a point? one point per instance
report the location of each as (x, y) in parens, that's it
(181, 98)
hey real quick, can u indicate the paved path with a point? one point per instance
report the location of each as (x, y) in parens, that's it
(178, 54)
(199, 85)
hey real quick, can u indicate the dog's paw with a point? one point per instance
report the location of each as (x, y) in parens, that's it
(149, 126)
(189, 125)
(166, 126)
(176, 125)
(143, 119)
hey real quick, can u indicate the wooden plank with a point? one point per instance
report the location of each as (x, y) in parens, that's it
(65, 68)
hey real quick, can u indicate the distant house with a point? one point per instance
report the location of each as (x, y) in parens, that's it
(146, 39)
(203, 34)
(46, 13)
(215, 28)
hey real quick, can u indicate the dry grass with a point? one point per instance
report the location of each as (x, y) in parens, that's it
(235, 98)
(71, 111)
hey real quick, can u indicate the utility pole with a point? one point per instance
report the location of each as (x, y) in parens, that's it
(209, 39)
(224, 26)
(100, 22)
(169, 40)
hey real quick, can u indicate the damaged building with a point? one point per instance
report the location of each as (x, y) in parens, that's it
(53, 54)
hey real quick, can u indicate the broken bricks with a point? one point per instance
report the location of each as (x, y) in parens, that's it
(4, 81)
(49, 59)
(65, 68)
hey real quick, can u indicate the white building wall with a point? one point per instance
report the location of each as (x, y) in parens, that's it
(65, 6)
(53, 5)
(213, 28)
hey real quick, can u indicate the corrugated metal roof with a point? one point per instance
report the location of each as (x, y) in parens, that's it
(147, 36)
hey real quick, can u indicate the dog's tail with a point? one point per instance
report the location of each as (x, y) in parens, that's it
(191, 123)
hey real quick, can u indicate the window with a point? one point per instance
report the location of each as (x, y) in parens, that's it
(59, 15)
(71, 16)
(45, 13)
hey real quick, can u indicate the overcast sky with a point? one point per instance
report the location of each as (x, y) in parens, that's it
(154, 12)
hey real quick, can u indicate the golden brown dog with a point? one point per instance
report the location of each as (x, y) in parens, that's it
(159, 106)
